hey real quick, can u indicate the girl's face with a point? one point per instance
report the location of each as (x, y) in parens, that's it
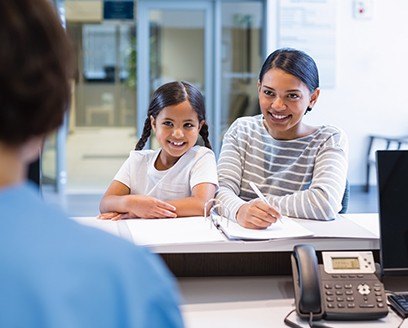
(177, 128)
(283, 99)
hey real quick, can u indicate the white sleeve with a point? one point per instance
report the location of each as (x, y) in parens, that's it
(204, 170)
(123, 174)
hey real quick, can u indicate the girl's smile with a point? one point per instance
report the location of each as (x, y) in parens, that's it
(177, 128)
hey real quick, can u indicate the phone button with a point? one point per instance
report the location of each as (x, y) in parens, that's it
(366, 306)
(351, 305)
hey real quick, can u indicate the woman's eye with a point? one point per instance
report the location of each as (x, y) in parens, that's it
(188, 125)
(293, 96)
(269, 93)
(167, 123)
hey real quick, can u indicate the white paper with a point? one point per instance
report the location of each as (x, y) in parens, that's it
(187, 230)
(338, 228)
(106, 225)
(286, 228)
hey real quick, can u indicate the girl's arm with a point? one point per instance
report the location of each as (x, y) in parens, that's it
(194, 205)
(117, 204)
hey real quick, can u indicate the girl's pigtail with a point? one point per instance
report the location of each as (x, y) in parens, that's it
(204, 135)
(145, 135)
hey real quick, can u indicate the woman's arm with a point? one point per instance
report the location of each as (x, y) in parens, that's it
(254, 214)
(322, 200)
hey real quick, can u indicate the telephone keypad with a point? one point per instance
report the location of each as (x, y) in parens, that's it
(352, 293)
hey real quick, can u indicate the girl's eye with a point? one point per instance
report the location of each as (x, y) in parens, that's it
(293, 96)
(189, 125)
(167, 123)
(269, 92)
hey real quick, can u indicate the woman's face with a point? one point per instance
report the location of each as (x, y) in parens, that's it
(283, 99)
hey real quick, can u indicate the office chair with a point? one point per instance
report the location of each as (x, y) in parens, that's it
(387, 143)
(345, 200)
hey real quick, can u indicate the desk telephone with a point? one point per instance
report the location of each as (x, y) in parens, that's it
(344, 287)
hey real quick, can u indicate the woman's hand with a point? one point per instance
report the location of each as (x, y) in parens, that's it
(145, 207)
(256, 214)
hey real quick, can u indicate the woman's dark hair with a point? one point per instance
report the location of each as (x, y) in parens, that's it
(35, 70)
(294, 62)
(171, 94)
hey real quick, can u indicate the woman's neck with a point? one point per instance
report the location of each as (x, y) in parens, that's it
(12, 168)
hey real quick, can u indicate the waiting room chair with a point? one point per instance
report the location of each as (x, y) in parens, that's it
(377, 142)
(345, 200)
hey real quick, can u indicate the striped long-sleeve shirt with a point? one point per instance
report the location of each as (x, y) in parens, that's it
(303, 178)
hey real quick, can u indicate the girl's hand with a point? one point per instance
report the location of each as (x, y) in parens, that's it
(257, 215)
(147, 207)
(114, 216)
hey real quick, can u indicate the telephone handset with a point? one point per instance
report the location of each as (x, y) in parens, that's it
(344, 287)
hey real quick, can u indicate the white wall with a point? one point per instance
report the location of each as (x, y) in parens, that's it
(371, 92)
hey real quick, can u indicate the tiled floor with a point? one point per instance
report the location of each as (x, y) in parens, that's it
(88, 204)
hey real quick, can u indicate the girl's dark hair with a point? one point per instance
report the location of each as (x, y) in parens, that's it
(294, 62)
(35, 71)
(171, 94)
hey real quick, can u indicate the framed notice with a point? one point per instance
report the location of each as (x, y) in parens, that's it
(310, 26)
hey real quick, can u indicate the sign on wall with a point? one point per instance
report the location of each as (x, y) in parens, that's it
(118, 9)
(310, 26)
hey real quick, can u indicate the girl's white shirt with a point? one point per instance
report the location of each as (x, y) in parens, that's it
(196, 166)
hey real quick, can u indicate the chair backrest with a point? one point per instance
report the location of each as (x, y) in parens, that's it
(345, 200)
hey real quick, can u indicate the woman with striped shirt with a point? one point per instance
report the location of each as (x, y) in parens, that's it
(301, 169)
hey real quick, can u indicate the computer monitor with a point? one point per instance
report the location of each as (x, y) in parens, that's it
(392, 173)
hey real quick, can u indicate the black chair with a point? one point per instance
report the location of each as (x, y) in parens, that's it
(345, 200)
(377, 142)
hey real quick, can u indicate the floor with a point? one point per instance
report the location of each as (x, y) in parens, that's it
(88, 204)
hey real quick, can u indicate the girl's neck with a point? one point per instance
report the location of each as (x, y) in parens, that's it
(163, 162)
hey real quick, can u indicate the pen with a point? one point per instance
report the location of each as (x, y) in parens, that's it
(259, 194)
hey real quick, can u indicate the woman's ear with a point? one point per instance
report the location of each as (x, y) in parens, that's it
(314, 97)
(201, 125)
(153, 123)
(258, 85)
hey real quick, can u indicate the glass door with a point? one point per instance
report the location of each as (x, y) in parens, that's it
(217, 45)
(240, 56)
(174, 43)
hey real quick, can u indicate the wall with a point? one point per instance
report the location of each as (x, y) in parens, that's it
(370, 96)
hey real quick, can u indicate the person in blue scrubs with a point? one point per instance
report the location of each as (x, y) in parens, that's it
(53, 271)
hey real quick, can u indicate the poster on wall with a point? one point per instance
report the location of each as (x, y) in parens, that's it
(310, 26)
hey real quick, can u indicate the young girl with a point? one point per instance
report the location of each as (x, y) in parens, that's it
(175, 180)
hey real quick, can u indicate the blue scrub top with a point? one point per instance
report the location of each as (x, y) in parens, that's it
(57, 273)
